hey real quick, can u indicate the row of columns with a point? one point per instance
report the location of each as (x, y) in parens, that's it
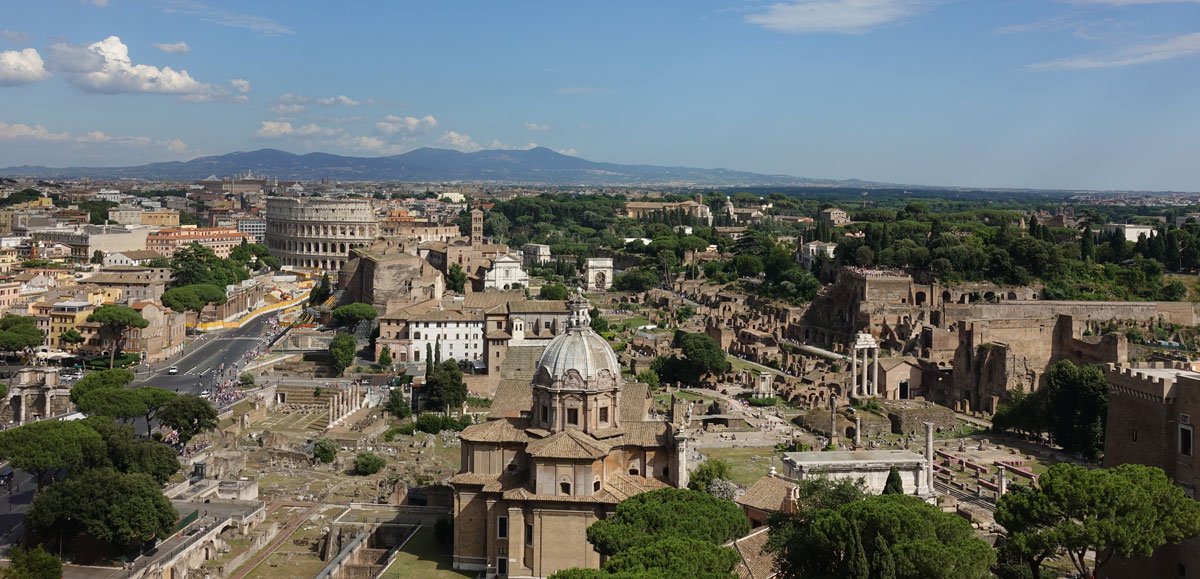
(865, 385)
(343, 403)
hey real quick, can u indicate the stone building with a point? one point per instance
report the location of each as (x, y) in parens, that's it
(221, 240)
(535, 254)
(530, 485)
(872, 466)
(1150, 422)
(386, 276)
(598, 274)
(504, 273)
(694, 208)
(834, 217)
(318, 233)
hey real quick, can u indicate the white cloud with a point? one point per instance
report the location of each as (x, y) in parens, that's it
(498, 145)
(285, 109)
(536, 127)
(222, 17)
(838, 16)
(14, 36)
(100, 3)
(274, 130)
(392, 125)
(281, 129)
(180, 47)
(240, 84)
(289, 98)
(22, 132)
(1175, 47)
(459, 142)
(105, 67)
(339, 100)
(21, 67)
(568, 152)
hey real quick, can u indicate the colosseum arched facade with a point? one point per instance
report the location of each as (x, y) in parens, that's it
(318, 233)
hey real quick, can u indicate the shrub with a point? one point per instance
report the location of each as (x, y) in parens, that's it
(368, 463)
(762, 401)
(325, 449)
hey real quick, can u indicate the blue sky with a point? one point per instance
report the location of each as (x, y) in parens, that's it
(1011, 93)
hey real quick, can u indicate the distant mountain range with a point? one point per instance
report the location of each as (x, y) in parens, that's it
(533, 166)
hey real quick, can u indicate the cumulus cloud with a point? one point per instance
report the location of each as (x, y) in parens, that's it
(281, 129)
(284, 109)
(497, 144)
(459, 142)
(838, 16)
(14, 36)
(23, 132)
(240, 84)
(394, 125)
(536, 127)
(339, 100)
(1174, 47)
(222, 17)
(105, 67)
(568, 152)
(180, 47)
(21, 67)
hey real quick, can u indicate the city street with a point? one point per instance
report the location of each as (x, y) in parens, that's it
(200, 366)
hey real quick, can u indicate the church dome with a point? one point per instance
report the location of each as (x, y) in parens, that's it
(579, 357)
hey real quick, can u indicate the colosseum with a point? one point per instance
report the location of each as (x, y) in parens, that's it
(318, 233)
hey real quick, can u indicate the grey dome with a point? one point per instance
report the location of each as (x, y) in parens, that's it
(580, 349)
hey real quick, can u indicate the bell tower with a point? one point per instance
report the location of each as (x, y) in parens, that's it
(476, 227)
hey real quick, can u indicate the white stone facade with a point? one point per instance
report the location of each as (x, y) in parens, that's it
(505, 274)
(599, 274)
(318, 233)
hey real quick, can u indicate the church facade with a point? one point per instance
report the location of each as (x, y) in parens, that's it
(530, 485)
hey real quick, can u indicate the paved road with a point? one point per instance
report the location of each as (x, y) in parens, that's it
(200, 368)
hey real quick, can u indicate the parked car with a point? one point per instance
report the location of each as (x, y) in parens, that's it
(173, 370)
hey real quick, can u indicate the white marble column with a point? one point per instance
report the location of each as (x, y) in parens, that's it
(929, 456)
(853, 372)
(865, 385)
(875, 374)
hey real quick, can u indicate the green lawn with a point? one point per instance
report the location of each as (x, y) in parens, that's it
(634, 322)
(423, 557)
(739, 364)
(746, 469)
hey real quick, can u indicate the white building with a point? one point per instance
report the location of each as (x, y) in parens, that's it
(872, 466)
(1131, 232)
(814, 249)
(598, 274)
(505, 274)
(460, 334)
(535, 254)
(131, 258)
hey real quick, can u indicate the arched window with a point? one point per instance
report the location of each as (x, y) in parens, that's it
(416, 335)
(596, 485)
(565, 488)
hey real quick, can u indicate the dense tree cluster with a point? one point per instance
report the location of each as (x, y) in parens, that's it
(351, 314)
(1071, 405)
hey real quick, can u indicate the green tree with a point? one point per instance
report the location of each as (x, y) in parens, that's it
(671, 556)
(32, 563)
(351, 314)
(397, 404)
(129, 454)
(111, 507)
(385, 357)
(193, 298)
(1128, 511)
(48, 446)
(325, 449)
(599, 324)
(747, 265)
(113, 378)
(246, 380)
(119, 404)
(71, 337)
(197, 264)
(116, 321)
(679, 513)
(189, 416)
(19, 333)
(159, 262)
(154, 399)
(1078, 407)
(893, 486)
(638, 280)
(554, 291)
(708, 471)
(368, 463)
(446, 386)
(649, 377)
(704, 353)
(322, 291)
(97, 257)
(343, 348)
(921, 542)
(456, 278)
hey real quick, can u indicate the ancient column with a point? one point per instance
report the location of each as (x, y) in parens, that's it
(857, 431)
(865, 388)
(929, 456)
(832, 417)
(1002, 481)
(853, 371)
(875, 373)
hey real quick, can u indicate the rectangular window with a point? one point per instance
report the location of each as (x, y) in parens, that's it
(547, 325)
(545, 414)
(604, 414)
(573, 416)
(528, 534)
(501, 527)
(1185, 440)
(1133, 435)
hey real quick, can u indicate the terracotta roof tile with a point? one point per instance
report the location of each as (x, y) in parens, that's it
(513, 398)
(503, 430)
(768, 494)
(756, 562)
(570, 444)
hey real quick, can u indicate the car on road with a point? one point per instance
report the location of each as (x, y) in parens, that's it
(204, 393)
(173, 370)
